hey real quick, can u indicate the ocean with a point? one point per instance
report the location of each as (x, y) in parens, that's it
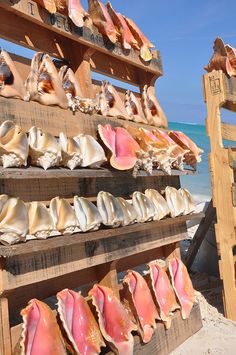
(200, 183)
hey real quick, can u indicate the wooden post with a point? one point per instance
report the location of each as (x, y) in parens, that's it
(5, 339)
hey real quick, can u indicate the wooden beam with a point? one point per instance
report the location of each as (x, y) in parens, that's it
(228, 131)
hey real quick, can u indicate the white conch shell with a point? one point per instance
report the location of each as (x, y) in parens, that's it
(162, 209)
(87, 214)
(70, 150)
(188, 201)
(110, 209)
(40, 220)
(134, 108)
(44, 149)
(92, 152)
(14, 223)
(63, 216)
(175, 201)
(14, 147)
(144, 207)
(129, 212)
(152, 109)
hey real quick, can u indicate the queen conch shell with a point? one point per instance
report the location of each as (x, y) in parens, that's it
(49, 5)
(70, 151)
(40, 331)
(79, 323)
(14, 147)
(40, 220)
(14, 222)
(44, 149)
(188, 201)
(92, 153)
(144, 207)
(110, 209)
(44, 84)
(182, 285)
(163, 292)
(114, 322)
(11, 83)
(122, 146)
(76, 12)
(87, 214)
(140, 299)
(174, 201)
(152, 109)
(63, 216)
(129, 212)
(134, 108)
(161, 206)
(110, 102)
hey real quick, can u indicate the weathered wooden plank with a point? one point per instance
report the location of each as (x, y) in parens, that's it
(30, 13)
(228, 131)
(5, 336)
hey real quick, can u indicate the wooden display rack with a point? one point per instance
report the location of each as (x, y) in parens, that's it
(42, 268)
(220, 92)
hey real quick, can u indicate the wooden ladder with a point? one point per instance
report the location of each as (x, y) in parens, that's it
(220, 92)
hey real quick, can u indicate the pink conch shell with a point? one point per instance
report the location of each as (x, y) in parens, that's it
(182, 285)
(11, 83)
(145, 309)
(102, 20)
(143, 43)
(126, 37)
(44, 84)
(163, 291)
(110, 102)
(152, 109)
(49, 5)
(76, 12)
(194, 155)
(79, 323)
(122, 146)
(40, 333)
(134, 108)
(114, 321)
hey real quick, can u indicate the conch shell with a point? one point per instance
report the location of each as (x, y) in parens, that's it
(188, 201)
(174, 201)
(79, 323)
(115, 323)
(44, 149)
(40, 331)
(63, 216)
(44, 84)
(163, 291)
(144, 207)
(14, 222)
(11, 83)
(141, 300)
(70, 86)
(143, 43)
(102, 20)
(134, 108)
(14, 147)
(87, 214)
(182, 285)
(110, 102)
(76, 12)
(49, 5)
(40, 220)
(129, 213)
(122, 146)
(92, 153)
(125, 35)
(161, 206)
(70, 151)
(152, 109)
(110, 209)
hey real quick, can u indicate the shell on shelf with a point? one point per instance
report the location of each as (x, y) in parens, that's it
(40, 220)
(70, 152)
(110, 209)
(63, 216)
(161, 206)
(188, 201)
(87, 214)
(152, 108)
(175, 201)
(144, 207)
(129, 212)
(92, 153)
(134, 108)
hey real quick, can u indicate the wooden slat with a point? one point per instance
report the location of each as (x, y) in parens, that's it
(5, 338)
(37, 246)
(230, 92)
(228, 131)
(39, 19)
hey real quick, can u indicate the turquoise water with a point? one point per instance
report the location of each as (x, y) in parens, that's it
(200, 183)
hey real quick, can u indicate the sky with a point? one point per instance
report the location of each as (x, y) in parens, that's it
(183, 31)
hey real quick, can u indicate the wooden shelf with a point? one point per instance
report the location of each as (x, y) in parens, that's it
(37, 246)
(60, 173)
